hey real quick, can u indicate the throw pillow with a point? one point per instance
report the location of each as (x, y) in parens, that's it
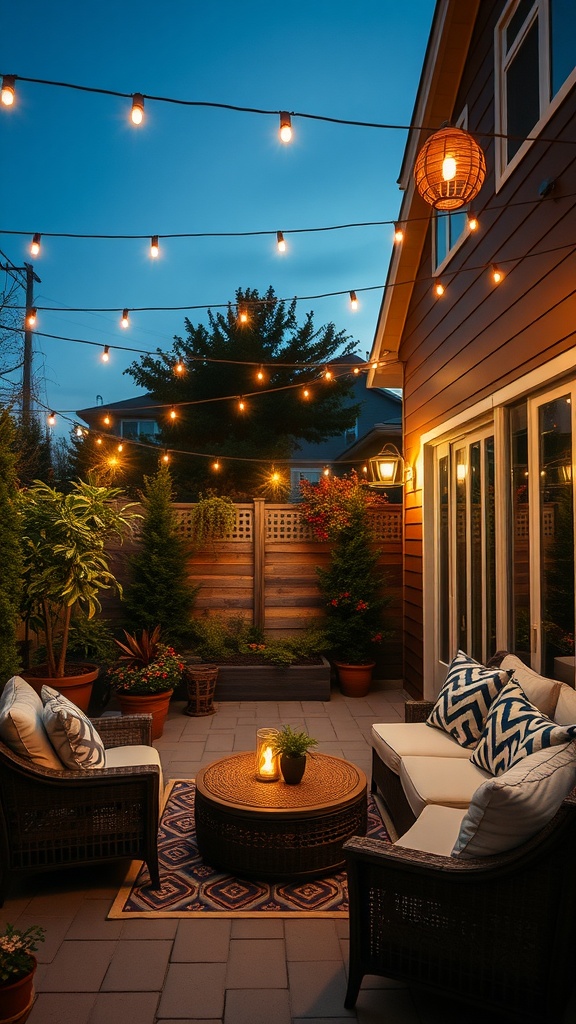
(465, 698)
(21, 724)
(515, 728)
(71, 732)
(506, 811)
(540, 691)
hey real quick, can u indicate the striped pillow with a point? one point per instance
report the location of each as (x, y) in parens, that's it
(514, 729)
(71, 733)
(465, 698)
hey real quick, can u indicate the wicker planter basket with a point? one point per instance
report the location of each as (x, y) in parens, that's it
(200, 683)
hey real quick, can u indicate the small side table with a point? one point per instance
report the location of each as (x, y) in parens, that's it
(271, 830)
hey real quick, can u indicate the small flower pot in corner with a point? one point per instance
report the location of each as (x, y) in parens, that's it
(354, 680)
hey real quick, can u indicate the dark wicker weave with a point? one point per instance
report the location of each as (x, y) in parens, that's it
(496, 932)
(51, 819)
(200, 685)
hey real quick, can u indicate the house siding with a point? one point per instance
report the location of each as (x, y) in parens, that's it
(478, 337)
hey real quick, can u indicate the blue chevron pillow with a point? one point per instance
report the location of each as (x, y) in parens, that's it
(465, 698)
(71, 733)
(514, 729)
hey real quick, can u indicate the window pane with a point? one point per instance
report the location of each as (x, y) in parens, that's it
(563, 42)
(461, 534)
(476, 551)
(557, 531)
(443, 562)
(517, 20)
(523, 92)
(520, 575)
(457, 223)
(441, 236)
(490, 528)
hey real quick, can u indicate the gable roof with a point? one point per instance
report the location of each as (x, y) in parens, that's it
(444, 61)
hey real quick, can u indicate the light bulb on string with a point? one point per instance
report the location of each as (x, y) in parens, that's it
(107, 421)
(439, 289)
(31, 316)
(328, 375)
(353, 300)
(305, 392)
(374, 365)
(216, 465)
(137, 111)
(98, 440)
(35, 245)
(173, 414)
(326, 471)
(8, 90)
(241, 405)
(280, 241)
(285, 126)
(165, 458)
(105, 357)
(79, 432)
(179, 368)
(356, 371)
(242, 314)
(473, 223)
(125, 321)
(154, 247)
(496, 274)
(51, 420)
(120, 448)
(398, 233)
(113, 461)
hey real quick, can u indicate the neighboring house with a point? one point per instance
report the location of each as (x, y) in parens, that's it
(489, 373)
(379, 422)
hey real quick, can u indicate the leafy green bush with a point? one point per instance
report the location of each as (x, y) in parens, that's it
(212, 518)
(219, 639)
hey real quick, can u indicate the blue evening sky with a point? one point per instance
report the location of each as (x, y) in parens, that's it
(73, 162)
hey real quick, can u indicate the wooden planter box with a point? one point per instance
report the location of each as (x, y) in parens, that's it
(272, 682)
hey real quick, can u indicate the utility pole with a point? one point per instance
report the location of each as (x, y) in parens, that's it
(31, 277)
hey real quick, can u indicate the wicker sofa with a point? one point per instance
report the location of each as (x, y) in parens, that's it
(54, 817)
(494, 930)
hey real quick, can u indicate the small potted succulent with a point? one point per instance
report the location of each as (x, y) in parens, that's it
(145, 676)
(292, 747)
(17, 968)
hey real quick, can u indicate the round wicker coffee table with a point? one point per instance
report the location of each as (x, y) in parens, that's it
(271, 830)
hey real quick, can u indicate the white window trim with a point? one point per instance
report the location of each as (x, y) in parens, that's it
(541, 9)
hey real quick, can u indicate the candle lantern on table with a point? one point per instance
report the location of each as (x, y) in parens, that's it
(267, 760)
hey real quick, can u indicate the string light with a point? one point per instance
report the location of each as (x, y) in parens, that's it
(306, 393)
(120, 447)
(439, 289)
(326, 471)
(137, 112)
(105, 357)
(79, 432)
(154, 247)
(328, 375)
(173, 414)
(98, 440)
(280, 242)
(31, 316)
(35, 245)
(473, 223)
(356, 371)
(242, 314)
(125, 318)
(8, 90)
(260, 374)
(51, 419)
(216, 465)
(398, 233)
(107, 420)
(497, 274)
(179, 368)
(241, 404)
(285, 126)
(353, 300)
(165, 457)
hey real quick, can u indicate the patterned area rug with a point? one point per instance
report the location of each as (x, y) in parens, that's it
(191, 888)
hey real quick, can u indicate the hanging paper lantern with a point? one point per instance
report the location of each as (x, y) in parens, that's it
(450, 169)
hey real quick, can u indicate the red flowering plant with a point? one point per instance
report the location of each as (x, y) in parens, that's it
(146, 665)
(352, 585)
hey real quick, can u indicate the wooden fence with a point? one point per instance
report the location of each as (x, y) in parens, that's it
(265, 569)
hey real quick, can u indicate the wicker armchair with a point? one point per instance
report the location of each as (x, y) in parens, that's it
(51, 819)
(496, 932)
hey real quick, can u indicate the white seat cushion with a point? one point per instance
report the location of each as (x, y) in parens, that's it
(394, 740)
(133, 755)
(22, 726)
(507, 810)
(451, 781)
(435, 831)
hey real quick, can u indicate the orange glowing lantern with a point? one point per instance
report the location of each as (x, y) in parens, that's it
(450, 169)
(267, 760)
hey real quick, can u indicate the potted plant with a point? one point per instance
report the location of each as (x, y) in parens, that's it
(17, 969)
(65, 568)
(292, 747)
(338, 511)
(145, 676)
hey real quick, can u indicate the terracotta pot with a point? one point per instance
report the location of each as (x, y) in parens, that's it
(155, 704)
(292, 768)
(76, 685)
(354, 680)
(16, 998)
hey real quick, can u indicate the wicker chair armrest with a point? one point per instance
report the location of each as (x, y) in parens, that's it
(417, 710)
(124, 730)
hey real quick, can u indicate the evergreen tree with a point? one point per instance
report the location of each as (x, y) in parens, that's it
(97, 457)
(159, 592)
(10, 552)
(33, 452)
(274, 421)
